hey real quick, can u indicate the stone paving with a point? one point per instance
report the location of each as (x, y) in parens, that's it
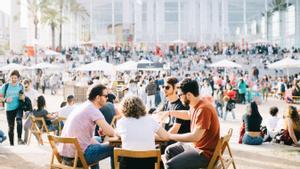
(265, 156)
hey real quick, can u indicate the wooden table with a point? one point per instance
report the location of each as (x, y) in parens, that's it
(116, 141)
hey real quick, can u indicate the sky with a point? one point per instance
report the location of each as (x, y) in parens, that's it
(5, 6)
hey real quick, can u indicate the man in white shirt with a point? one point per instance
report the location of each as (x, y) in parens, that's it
(65, 111)
(30, 92)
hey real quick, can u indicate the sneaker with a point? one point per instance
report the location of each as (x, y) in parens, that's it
(21, 142)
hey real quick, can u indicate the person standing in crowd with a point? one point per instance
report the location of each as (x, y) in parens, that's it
(10, 92)
(265, 87)
(242, 90)
(252, 120)
(81, 124)
(151, 91)
(205, 130)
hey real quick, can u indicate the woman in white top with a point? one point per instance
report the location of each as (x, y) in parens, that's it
(138, 131)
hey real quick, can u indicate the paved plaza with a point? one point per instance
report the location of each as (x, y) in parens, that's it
(268, 155)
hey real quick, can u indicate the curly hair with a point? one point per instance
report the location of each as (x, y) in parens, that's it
(133, 107)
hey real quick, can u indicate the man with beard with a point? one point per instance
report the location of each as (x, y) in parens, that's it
(205, 130)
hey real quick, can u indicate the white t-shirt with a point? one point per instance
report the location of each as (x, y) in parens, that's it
(33, 95)
(137, 134)
(65, 111)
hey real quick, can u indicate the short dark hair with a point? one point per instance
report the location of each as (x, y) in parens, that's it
(41, 102)
(95, 90)
(172, 81)
(14, 73)
(189, 85)
(70, 98)
(26, 81)
(273, 111)
(63, 104)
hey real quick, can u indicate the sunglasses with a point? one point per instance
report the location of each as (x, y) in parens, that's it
(106, 96)
(166, 87)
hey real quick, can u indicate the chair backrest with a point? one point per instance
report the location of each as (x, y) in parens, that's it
(60, 120)
(223, 143)
(41, 120)
(53, 140)
(118, 152)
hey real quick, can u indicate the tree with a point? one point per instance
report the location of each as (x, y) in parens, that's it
(34, 7)
(51, 16)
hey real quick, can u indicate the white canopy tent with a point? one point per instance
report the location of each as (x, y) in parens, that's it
(107, 68)
(52, 53)
(225, 64)
(144, 61)
(127, 66)
(13, 66)
(285, 63)
(45, 65)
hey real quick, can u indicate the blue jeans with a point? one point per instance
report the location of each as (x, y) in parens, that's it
(252, 140)
(180, 155)
(2, 136)
(96, 152)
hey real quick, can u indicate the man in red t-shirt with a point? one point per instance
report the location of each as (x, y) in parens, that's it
(204, 135)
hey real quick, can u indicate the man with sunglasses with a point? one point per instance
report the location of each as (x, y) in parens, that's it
(81, 124)
(205, 130)
(173, 102)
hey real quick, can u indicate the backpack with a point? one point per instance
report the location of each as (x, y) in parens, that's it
(6, 87)
(282, 87)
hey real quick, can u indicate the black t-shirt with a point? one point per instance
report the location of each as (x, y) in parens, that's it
(111, 97)
(252, 123)
(42, 113)
(185, 124)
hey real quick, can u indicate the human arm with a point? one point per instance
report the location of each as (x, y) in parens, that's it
(193, 136)
(162, 134)
(106, 128)
(180, 114)
(175, 128)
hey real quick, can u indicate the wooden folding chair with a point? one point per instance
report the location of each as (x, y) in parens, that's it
(58, 163)
(218, 160)
(59, 120)
(38, 131)
(118, 152)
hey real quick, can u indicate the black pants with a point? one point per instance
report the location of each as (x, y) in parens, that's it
(242, 98)
(137, 163)
(11, 117)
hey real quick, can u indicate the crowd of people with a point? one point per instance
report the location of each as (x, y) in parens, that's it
(190, 99)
